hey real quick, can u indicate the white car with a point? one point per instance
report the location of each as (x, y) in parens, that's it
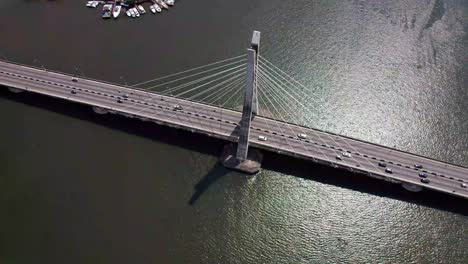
(346, 154)
(262, 138)
(302, 136)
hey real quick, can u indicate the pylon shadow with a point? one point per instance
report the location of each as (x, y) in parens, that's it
(217, 172)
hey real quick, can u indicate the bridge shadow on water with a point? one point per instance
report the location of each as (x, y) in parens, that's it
(210, 146)
(364, 184)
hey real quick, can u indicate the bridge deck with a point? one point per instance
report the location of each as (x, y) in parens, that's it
(321, 147)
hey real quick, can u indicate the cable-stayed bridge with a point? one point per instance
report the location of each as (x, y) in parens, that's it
(248, 101)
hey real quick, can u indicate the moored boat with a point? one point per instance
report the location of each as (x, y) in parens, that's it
(137, 14)
(162, 4)
(116, 11)
(157, 8)
(92, 4)
(169, 2)
(141, 9)
(152, 9)
(107, 11)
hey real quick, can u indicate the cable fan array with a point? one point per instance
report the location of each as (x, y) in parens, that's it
(281, 96)
(220, 83)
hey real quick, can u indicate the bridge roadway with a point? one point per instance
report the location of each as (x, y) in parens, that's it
(319, 146)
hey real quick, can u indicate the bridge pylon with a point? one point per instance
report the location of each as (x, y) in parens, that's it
(243, 160)
(255, 45)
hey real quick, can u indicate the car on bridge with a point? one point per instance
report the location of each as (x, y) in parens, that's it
(302, 136)
(425, 180)
(346, 154)
(262, 138)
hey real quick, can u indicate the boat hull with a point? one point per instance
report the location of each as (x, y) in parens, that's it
(116, 12)
(107, 11)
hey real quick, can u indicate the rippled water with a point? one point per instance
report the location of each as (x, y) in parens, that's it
(78, 188)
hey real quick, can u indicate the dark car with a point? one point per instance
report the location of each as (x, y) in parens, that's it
(422, 175)
(74, 79)
(73, 91)
(119, 101)
(418, 166)
(382, 164)
(425, 180)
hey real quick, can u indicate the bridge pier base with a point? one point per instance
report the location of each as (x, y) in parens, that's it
(100, 110)
(411, 187)
(251, 165)
(14, 90)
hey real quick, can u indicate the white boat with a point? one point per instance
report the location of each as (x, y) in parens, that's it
(141, 9)
(152, 9)
(107, 11)
(136, 12)
(116, 11)
(132, 12)
(169, 2)
(128, 13)
(162, 4)
(92, 4)
(157, 8)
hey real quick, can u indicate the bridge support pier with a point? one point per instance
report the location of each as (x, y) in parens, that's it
(14, 90)
(241, 159)
(100, 110)
(411, 187)
(251, 165)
